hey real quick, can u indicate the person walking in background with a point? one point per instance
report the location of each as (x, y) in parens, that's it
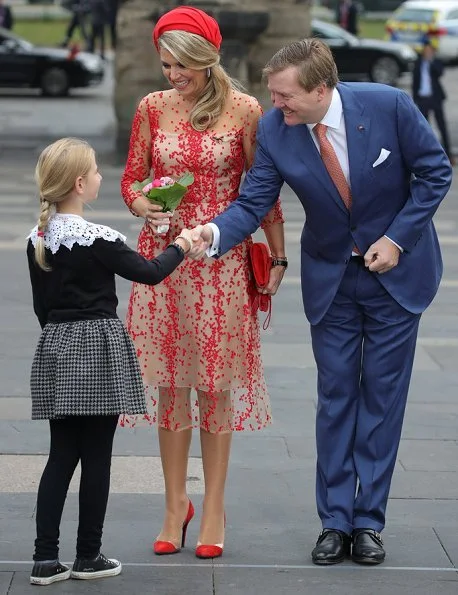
(370, 174)
(113, 6)
(85, 372)
(198, 331)
(428, 92)
(347, 16)
(80, 10)
(6, 16)
(100, 18)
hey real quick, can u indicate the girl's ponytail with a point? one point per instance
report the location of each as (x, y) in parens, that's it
(45, 214)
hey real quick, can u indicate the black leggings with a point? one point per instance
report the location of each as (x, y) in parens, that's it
(74, 439)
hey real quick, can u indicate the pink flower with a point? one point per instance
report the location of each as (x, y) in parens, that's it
(158, 183)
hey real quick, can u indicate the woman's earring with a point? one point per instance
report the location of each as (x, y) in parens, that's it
(208, 73)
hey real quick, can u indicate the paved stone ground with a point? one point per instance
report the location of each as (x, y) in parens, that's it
(272, 522)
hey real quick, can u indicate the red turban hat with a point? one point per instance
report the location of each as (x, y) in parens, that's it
(188, 18)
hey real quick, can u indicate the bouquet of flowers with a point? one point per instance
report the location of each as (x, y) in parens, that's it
(165, 192)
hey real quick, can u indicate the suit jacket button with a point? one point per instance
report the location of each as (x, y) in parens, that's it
(353, 228)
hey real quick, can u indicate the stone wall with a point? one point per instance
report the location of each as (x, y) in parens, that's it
(137, 69)
(289, 21)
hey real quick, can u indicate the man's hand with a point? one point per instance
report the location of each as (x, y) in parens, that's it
(202, 238)
(275, 278)
(382, 256)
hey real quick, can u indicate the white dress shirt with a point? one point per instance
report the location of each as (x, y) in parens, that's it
(426, 89)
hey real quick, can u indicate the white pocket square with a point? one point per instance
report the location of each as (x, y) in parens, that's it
(384, 153)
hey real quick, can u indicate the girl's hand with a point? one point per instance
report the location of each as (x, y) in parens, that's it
(184, 240)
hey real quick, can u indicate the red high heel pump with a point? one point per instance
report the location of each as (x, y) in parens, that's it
(162, 548)
(210, 551)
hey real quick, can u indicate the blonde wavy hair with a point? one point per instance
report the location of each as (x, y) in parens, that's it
(196, 53)
(57, 169)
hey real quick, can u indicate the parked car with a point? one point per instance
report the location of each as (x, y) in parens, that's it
(436, 21)
(53, 70)
(365, 59)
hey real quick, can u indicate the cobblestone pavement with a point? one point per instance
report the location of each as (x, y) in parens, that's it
(272, 523)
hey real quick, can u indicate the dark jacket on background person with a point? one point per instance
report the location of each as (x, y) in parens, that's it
(347, 16)
(112, 6)
(80, 7)
(100, 12)
(433, 102)
(436, 69)
(6, 17)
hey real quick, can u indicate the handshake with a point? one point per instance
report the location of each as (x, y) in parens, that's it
(195, 242)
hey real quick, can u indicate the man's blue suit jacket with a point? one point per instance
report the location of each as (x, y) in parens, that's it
(398, 198)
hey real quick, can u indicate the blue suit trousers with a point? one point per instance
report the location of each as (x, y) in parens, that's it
(364, 350)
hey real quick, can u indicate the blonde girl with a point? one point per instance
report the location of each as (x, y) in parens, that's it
(85, 371)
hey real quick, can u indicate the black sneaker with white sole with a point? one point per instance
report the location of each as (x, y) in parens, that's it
(98, 567)
(46, 573)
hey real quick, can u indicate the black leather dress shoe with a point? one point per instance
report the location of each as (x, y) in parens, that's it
(331, 548)
(367, 547)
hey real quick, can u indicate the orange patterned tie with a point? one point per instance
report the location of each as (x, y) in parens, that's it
(332, 164)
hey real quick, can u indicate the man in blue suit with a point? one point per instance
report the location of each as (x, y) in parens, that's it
(370, 179)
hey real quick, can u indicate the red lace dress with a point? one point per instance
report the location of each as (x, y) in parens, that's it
(196, 329)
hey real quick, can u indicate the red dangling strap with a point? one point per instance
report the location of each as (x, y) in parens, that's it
(262, 302)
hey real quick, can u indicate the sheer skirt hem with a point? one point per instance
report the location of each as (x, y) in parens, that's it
(182, 408)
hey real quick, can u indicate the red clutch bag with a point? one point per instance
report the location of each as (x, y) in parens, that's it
(261, 263)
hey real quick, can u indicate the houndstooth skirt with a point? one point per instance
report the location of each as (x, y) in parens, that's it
(87, 367)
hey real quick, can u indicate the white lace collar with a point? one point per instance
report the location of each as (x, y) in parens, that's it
(66, 230)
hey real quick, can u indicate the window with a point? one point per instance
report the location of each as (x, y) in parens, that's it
(416, 15)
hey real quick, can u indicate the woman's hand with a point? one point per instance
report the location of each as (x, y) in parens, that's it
(276, 276)
(150, 212)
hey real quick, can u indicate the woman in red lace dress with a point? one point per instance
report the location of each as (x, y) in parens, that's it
(196, 331)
